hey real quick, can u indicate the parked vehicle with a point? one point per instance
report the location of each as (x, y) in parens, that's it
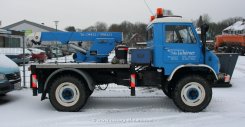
(38, 55)
(232, 39)
(51, 51)
(16, 54)
(229, 43)
(9, 75)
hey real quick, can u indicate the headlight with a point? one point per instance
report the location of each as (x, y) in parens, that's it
(2, 76)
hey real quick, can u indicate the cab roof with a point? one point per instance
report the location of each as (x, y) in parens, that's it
(169, 19)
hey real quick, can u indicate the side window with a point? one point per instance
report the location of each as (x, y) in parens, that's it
(179, 34)
(150, 34)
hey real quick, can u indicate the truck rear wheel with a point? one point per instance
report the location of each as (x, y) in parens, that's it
(192, 94)
(68, 94)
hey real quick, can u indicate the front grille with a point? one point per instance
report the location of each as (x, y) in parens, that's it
(13, 76)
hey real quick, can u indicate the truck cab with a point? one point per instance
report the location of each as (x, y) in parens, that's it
(175, 44)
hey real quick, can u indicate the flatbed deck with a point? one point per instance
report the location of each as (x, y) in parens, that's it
(82, 65)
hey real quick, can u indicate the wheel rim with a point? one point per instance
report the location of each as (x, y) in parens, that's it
(67, 94)
(193, 94)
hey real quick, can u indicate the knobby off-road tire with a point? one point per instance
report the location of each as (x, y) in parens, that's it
(68, 94)
(192, 94)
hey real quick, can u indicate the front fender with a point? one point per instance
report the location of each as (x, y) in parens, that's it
(191, 65)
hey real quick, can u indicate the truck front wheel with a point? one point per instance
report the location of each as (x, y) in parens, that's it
(192, 94)
(67, 94)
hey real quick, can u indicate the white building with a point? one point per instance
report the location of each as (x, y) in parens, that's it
(25, 26)
(29, 27)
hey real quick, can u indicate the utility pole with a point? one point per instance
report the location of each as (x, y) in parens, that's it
(56, 27)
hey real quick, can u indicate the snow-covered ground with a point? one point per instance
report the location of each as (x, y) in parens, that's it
(114, 107)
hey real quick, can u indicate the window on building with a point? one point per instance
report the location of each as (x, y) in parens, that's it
(1, 42)
(179, 34)
(11, 42)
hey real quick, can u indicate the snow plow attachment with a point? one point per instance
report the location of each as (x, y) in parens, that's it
(227, 66)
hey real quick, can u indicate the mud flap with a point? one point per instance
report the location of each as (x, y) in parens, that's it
(227, 66)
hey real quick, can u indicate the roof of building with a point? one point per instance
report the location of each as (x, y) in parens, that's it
(3, 31)
(238, 26)
(31, 23)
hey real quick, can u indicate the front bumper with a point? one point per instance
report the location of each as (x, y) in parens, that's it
(224, 77)
(223, 80)
(9, 86)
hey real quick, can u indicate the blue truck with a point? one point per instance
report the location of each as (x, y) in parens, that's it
(175, 60)
(9, 75)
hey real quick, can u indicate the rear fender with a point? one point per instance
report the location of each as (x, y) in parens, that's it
(88, 79)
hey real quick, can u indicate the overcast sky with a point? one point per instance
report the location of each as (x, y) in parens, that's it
(83, 13)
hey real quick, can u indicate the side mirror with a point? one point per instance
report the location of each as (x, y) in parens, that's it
(204, 30)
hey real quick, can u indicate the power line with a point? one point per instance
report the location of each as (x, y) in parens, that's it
(148, 7)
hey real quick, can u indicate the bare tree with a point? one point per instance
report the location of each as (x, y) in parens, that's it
(70, 29)
(199, 22)
(101, 26)
(206, 18)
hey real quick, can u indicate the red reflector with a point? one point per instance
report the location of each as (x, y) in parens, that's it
(34, 81)
(132, 83)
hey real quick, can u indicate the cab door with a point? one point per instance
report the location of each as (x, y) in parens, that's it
(180, 45)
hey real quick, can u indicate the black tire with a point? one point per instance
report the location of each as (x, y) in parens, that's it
(89, 92)
(76, 89)
(192, 94)
(2, 95)
(167, 90)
